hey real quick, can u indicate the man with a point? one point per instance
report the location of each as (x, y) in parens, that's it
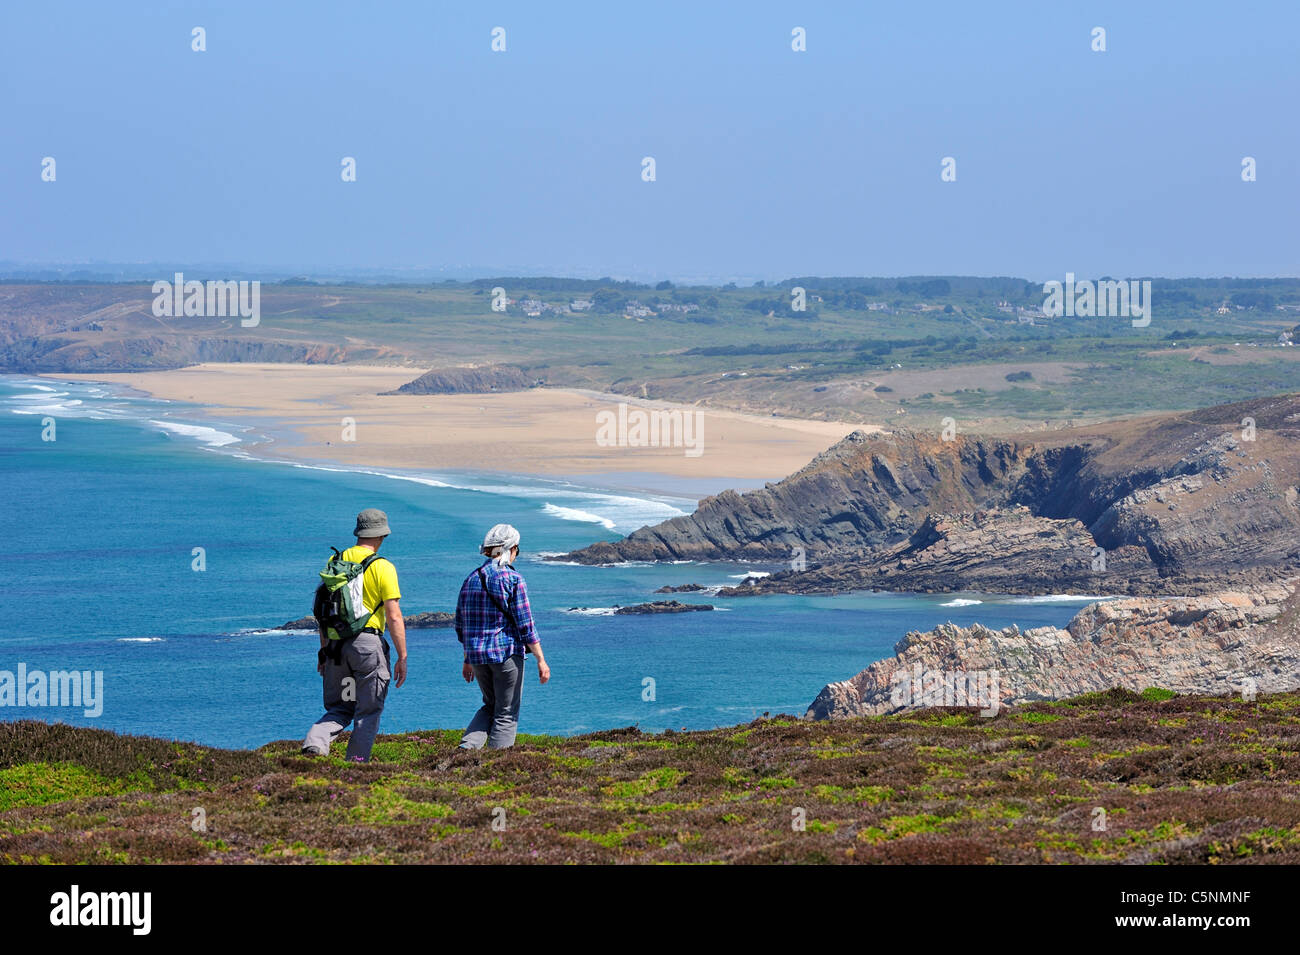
(495, 623)
(356, 680)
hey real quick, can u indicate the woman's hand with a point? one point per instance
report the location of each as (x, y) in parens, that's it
(467, 671)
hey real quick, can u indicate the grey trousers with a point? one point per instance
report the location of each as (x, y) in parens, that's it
(355, 690)
(498, 718)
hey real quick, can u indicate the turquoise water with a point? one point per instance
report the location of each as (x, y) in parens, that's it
(102, 523)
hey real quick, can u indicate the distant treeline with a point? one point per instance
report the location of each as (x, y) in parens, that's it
(833, 293)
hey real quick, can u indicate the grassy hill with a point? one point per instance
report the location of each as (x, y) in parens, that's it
(1180, 780)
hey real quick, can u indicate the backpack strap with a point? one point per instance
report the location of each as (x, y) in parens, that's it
(510, 618)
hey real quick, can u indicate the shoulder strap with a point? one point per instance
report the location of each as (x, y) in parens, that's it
(496, 600)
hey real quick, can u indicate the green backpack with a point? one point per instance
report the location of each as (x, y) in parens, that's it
(339, 608)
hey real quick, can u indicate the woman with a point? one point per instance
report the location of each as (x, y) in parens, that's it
(495, 624)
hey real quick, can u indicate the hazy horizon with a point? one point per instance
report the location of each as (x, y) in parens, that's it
(148, 272)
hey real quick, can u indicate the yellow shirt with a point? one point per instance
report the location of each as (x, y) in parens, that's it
(378, 585)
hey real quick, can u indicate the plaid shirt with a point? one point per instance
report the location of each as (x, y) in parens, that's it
(487, 635)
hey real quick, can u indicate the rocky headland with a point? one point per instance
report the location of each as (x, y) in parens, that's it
(1230, 642)
(111, 328)
(1166, 504)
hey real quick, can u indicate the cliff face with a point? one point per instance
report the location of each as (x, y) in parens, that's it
(1211, 644)
(864, 492)
(1161, 504)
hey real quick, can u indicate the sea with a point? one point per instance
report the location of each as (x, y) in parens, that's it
(146, 544)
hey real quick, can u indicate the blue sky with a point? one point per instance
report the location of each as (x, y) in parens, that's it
(770, 163)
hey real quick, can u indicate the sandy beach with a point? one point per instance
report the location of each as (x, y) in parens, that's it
(307, 410)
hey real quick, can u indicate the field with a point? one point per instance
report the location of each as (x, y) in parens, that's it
(1109, 777)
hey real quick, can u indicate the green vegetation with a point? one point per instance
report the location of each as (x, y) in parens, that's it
(1182, 779)
(36, 784)
(1157, 693)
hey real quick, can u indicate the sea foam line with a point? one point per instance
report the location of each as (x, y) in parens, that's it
(574, 514)
(612, 511)
(212, 437)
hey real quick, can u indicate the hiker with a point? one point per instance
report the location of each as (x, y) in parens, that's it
(354, 661)
(495, 623)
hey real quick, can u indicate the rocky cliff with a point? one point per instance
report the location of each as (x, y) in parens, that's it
(867, 491)
(1163, 504)
(1213, 644)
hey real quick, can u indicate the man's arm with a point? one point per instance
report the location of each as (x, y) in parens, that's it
(397, 628)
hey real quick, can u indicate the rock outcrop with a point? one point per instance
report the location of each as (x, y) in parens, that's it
(1164, 504)
(980, 552)
(1220, 643)
(662, 606)
(466, 381)
(415, 621)
(430, 620)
